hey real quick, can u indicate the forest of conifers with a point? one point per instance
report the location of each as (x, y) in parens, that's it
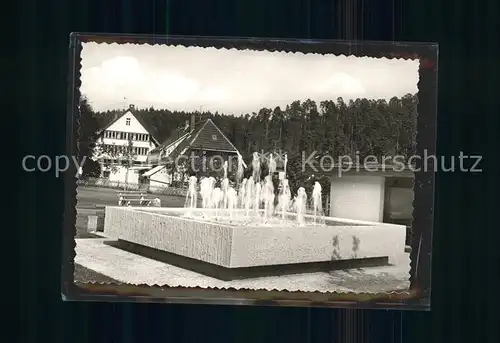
(336, 128)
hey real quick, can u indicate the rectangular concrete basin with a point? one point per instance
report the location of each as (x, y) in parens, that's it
(237, 246)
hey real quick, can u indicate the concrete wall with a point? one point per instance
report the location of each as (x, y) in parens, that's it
(120, 175)
(359, 197)
(240, 246)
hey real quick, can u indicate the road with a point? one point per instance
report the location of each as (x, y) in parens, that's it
(108, 196)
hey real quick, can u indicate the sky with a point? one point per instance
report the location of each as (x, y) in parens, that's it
(232, 81)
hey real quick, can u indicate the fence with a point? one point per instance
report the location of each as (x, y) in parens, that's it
(105, 183)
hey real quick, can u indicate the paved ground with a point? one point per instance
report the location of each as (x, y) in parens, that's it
(126, 267)
(83, 274)
(98, 262)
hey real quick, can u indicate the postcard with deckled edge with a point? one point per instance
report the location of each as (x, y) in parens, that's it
(250, 171)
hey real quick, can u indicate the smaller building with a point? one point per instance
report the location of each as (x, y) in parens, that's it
(372, 193)
(199, 150)
(369, 192)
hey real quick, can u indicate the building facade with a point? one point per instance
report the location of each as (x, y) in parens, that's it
(203, 140)
(123, 146)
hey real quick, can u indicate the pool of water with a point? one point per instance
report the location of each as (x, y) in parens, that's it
(241, 217)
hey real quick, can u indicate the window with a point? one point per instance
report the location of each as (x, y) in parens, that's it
(127, 121)
(214, 137)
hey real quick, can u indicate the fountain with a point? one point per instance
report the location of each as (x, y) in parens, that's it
(284, 198)
(232, 201)
(192, 195)
(285, 164)
(300, 205)
(317, 201)
(256, 166)
(240, 170)
(206, 186)
(268, 198)
(242, 227)
(242, 197)
(272, 165)
(224, 167)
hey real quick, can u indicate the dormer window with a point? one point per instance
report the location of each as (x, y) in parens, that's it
(127, 121)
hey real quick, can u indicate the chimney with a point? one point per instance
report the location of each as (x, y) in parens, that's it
(186, 126)
(193, 118)
(131, 107)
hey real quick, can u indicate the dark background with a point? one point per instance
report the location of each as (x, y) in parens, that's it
(465, 274)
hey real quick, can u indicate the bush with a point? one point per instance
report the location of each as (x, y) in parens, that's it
(101, 182)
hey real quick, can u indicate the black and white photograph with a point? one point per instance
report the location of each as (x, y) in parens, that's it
(244, 169)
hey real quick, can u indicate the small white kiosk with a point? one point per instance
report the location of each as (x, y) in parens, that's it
(361, 193)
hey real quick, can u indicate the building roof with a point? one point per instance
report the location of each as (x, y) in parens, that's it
(207, 137)
(175, 138)
(159, 152)
(143, 120)
(153, 171)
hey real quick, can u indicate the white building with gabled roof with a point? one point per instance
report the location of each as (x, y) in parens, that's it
(127, 129)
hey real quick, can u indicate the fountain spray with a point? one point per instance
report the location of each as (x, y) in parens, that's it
(301, 205)
(191, 196)
(253, 192)
(317, 202)
(239, 171)
(272, 165)
(256, 167)
(284, 198)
